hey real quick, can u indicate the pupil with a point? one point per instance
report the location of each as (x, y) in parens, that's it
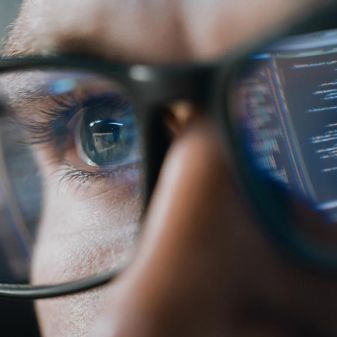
(105, 135)
(107, 131)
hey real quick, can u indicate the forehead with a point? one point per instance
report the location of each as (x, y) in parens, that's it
(147, 30)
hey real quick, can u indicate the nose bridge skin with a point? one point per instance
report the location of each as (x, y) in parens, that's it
(178, 284)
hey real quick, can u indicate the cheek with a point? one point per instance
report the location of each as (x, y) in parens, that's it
(83, 232)
(70, 316)
(84, 229)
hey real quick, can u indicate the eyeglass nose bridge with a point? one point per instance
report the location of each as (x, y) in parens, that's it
(156, 85)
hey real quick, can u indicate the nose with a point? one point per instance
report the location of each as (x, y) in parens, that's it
(179, 283)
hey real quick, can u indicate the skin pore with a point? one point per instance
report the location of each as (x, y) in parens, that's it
(203, 267)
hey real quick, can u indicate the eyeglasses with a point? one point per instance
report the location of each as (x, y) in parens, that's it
(82, 136)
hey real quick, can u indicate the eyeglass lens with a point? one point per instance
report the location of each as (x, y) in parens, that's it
(70, 149)
(285, 108)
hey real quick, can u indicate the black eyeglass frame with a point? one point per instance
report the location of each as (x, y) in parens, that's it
(207, 85)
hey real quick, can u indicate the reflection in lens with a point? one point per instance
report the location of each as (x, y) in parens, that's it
(70, 173)
(285, 107)
(107, 133)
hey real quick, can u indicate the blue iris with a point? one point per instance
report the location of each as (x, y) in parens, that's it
(108, 133)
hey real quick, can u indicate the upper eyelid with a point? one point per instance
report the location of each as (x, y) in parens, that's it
(38, 109)
(42, 122)
(50, 120)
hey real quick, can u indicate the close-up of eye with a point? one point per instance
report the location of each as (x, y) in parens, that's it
(88, 121)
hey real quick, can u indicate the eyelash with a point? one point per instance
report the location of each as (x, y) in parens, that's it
(45, 130)
(53, 129)
(70, 174)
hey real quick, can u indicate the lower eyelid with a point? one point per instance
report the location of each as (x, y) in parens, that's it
(124, 177)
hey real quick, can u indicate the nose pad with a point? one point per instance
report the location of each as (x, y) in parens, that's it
(179, 115)
(164, 123)
(177, 284)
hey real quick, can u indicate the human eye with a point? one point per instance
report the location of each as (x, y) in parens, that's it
(83, 123)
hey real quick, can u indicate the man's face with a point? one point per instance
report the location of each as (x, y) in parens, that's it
(203, 267)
